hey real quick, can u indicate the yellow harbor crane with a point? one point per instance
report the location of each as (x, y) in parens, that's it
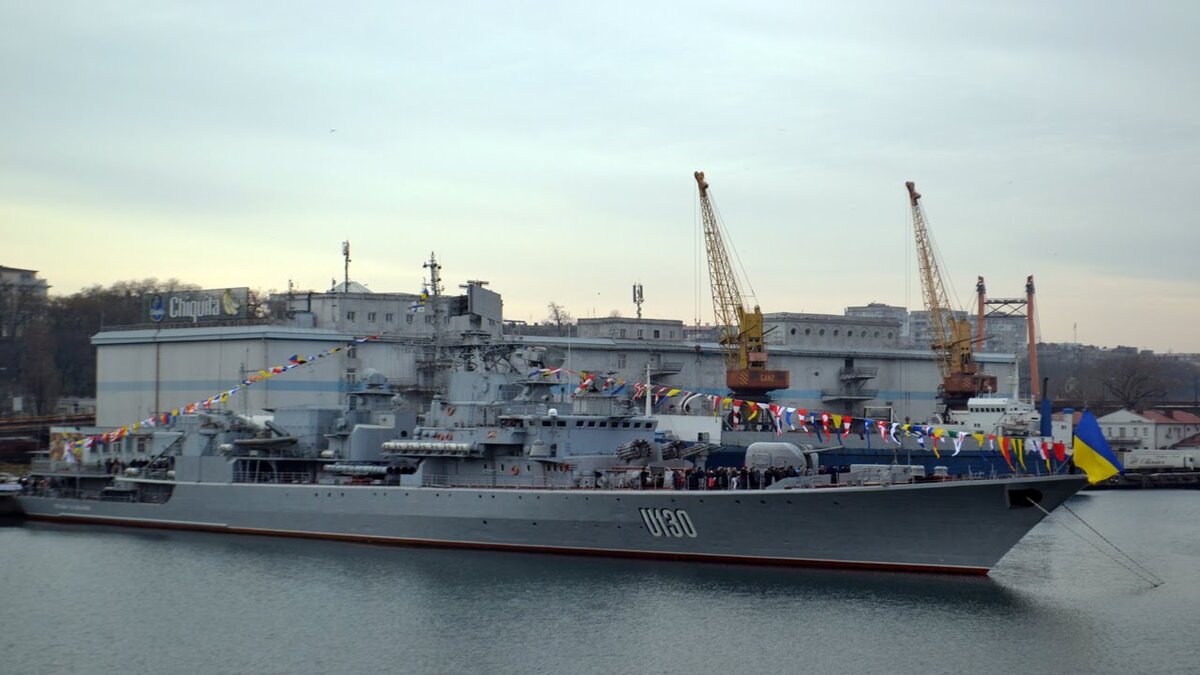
(741, 330)
(953, 344)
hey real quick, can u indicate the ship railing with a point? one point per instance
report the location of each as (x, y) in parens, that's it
(497, 480)
(59, 466)
(291, 477)
(60, 492)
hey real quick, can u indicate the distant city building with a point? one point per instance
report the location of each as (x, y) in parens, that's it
(20, 292)
(920, 326)
(1005, 335)
(15, 279)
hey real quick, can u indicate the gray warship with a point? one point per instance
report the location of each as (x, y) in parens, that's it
(512, 460)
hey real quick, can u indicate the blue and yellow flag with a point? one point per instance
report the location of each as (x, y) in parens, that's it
(1092, 453)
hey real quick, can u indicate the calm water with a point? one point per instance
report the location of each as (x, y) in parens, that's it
(111, 600)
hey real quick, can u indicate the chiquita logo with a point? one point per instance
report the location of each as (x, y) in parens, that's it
(668, 522)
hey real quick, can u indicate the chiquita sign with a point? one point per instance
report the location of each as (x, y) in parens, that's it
(221, 304)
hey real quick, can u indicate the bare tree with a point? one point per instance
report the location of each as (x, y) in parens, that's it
(559, 317)
(262, 304)
(21, 306)
(1134, 379)
(40, 381)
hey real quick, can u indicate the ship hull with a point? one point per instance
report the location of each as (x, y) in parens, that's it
(962, 527)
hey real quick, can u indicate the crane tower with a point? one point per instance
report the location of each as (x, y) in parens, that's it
(741, 330)
(953, 346)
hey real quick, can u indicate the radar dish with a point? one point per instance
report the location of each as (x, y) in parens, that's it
(553, 357)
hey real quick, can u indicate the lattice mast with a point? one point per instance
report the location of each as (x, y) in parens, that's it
(952, 342)
(728, 308)
(740, 330)
(933, 289)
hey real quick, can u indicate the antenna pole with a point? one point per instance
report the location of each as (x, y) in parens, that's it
(346, 266)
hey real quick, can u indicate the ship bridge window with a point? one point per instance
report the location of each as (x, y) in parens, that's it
(578, 423)
(591, 423)
(562, 423)
(624, 425)
(545, 423)
(604, 424)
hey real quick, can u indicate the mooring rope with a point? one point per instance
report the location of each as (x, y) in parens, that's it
(1149, 577)
(1115, 547)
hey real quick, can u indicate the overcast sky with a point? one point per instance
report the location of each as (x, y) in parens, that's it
(548, 147)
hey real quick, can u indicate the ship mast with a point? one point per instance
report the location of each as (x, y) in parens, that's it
(434, 301)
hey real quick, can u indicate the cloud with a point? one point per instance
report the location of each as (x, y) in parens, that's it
(549, 149)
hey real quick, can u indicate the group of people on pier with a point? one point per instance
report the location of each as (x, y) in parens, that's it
(728, 478)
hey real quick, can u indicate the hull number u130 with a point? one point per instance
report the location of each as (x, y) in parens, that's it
(668, 522)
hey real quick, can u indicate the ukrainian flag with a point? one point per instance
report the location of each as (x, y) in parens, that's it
(1092, 453)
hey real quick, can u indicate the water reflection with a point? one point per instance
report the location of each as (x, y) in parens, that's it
(229, 603)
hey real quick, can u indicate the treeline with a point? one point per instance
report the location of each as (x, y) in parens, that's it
(1124, 377)
(45, 343)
